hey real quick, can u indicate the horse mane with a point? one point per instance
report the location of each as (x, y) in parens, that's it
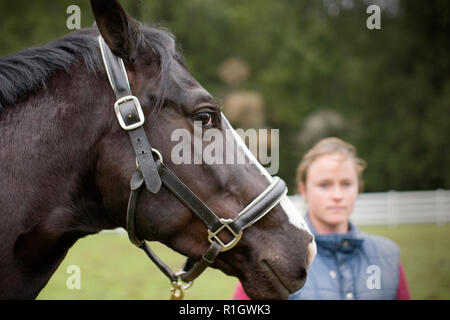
(26, 71)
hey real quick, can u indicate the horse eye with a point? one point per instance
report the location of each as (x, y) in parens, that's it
(206, 118)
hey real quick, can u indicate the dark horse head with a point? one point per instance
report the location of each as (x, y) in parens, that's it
(66, 163)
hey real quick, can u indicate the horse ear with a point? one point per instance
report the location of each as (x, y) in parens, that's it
(115, 26)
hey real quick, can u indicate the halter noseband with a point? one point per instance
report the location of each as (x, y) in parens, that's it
(153, 173)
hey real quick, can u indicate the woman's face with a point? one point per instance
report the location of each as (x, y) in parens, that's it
(330, 192)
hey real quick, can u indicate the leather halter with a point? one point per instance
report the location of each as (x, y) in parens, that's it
(153, 173)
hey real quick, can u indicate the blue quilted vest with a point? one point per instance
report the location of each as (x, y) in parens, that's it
(354, 265)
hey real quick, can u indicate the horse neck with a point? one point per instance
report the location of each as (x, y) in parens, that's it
(47, 176)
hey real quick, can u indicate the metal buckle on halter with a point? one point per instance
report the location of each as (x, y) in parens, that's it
(230, 244)
(138, 109)
(154, 151)
(177, 290)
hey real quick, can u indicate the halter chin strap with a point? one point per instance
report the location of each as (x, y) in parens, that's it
(153, 173)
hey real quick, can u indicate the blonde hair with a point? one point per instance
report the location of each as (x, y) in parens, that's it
(331, 146)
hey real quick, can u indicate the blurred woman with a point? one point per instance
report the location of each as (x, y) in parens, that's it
(349, 264)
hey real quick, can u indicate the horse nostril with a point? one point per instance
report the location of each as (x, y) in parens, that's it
(310, 253)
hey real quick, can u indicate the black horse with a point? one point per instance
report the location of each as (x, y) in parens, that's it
(66, 163)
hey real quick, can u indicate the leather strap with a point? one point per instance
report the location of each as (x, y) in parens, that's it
(191, 270)
(188, 198)
(115, 69)
(129, 113)
(144, 157)
(159, 263)
(260, 206)
(253, 212)
(135, 184)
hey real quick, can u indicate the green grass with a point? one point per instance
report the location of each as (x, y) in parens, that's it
(112, 268)
(425, 254)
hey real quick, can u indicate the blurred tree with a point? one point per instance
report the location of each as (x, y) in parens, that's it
(389, 88)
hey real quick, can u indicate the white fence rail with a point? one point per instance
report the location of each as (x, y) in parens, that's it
(398, 207)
